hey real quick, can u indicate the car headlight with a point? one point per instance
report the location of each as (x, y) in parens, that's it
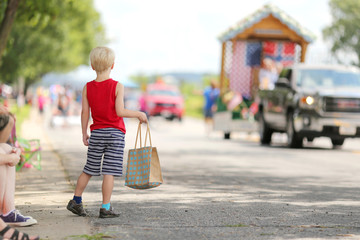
(308, 102)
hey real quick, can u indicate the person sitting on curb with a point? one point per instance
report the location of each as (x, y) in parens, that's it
(12, 234)
(9, 157)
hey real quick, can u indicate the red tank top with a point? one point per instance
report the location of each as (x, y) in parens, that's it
(101, 97)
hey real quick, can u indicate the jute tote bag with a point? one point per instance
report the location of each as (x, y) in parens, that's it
(143, 166)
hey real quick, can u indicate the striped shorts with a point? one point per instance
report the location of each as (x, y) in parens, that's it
(105, 152)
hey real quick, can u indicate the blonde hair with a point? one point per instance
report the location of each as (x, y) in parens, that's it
(102, 58)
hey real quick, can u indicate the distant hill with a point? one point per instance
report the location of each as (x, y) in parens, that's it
(186, 76)
(78, 78)
(189, 77)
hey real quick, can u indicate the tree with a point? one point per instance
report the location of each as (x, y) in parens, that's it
(57, 36)
(141, 79)
(344, 30)
(7, 21)
(27, 11)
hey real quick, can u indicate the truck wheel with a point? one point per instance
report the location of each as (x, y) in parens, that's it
(264, 131)
(337, 142)
(294, 141)
(226, 135)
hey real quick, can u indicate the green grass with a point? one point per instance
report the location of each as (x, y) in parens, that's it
(194, 100)
(237, 225)
(98, 236)
(21, 114)
(194, 106)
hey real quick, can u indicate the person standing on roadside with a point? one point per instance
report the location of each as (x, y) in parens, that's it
(104, 97)
(211, 93)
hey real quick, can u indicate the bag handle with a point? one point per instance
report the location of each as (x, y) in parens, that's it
(148, 132)
(137, 135)
(146, 135)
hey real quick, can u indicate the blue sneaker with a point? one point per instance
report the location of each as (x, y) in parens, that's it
(16, 219)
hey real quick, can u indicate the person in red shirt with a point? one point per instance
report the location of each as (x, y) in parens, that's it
(104, 97)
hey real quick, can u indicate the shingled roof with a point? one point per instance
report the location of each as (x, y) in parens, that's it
(262, 13)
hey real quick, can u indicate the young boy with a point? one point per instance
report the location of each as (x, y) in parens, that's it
(105, 98)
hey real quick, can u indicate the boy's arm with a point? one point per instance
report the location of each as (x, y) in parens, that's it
(85, 114)
(120, 108)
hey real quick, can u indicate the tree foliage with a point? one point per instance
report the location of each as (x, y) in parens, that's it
(50, 36)
(142, 79)
(7, 14)
(344, 31)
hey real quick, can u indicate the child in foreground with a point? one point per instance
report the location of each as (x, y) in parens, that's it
(104, 97)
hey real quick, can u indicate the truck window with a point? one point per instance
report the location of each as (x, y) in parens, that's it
(286, 73)
(327, 78)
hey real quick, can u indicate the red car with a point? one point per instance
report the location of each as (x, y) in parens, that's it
(164, 100)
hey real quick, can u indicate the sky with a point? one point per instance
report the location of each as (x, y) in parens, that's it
(160, 36)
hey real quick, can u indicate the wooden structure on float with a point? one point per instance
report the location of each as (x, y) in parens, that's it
(268, 23)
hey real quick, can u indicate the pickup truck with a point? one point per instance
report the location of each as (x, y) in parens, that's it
(312, 101)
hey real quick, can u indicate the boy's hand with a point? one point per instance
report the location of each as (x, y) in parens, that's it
(142, 117)
(86, 140)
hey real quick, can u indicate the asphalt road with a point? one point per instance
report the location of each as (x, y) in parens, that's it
(227, 189)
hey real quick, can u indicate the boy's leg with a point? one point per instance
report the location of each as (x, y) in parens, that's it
(107, 188)
(81, 184)
(111, 167)
(75, 205)
(106, 211)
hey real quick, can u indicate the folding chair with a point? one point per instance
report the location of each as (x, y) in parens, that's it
(31, 152)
